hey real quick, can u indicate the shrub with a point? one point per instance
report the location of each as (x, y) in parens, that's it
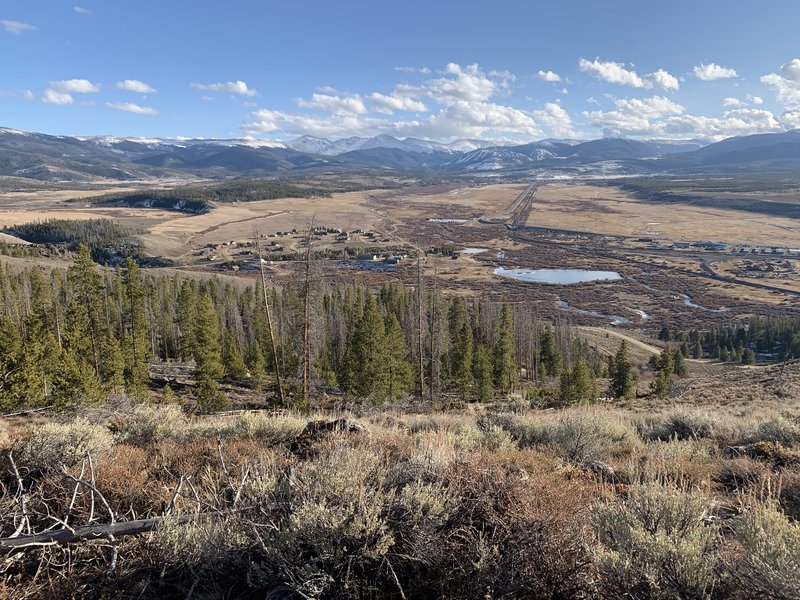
(145, 425)
(656, 545)
(767, 563)
(780, 430)
(680, 425)
(55, 444)
(489, 437)
(273, 430)
(682, 461)
(579, 436)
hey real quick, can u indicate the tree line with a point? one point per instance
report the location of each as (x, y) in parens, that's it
(74, 336)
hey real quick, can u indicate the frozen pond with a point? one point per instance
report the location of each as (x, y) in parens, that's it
(473, 250)
(448, 220)
(557, 276)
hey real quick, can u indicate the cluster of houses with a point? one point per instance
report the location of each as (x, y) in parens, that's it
(720, 247)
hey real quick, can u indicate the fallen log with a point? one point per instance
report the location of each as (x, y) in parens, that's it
(101, 531)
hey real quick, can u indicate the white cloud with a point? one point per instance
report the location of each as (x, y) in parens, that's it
(17, 27)
(755, 99)
(633, 116)
(267, 121)
(335, 104)
(232, 87)
(663, 80)
(81, 10)
(51, 96)
(390, 104)
(423, 70)
(133, 108)
(134, 85)
(549, 76)
(786, 83)
(791, 119)
(75, 86)
(468, 83)
(28, 96)
(735, 102)
(463, 118)
(712, 71)
(556, 119)
(661, 118)
(614, 72)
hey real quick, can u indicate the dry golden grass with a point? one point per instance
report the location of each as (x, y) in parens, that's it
(611, 211)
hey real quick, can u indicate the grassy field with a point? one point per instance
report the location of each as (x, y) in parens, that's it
(611, 211)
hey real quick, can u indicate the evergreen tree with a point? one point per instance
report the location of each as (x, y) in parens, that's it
(463, 378)
(577, 385)
(208, 357)
(186, 311)
(482, 374)
(748, 357)
(86, 319)
(399, 375)
(136, 331)
(506, 372)
(665, 368)
(623, 380)
(550, 355)
(232, 360)
(679, 363)
(364, 371)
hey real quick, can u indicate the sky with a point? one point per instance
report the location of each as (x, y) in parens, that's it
(502, 70)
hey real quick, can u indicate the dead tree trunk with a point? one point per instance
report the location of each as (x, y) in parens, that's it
(275, 363)
(420, 351)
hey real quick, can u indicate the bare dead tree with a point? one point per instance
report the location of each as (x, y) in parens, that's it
(306, 316)
(275, 364)
(420, 352)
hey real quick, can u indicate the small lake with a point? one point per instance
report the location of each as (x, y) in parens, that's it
(473, 250)
(557, 276)
(442, 220)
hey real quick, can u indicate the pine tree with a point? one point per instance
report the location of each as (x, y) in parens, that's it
(232, 359)
(10, 361)
(186, 310)
(665, 365)
(136, 331)
(482, 373)
(208, 357)
(679, 363)
(623, 380)
(550, 354)
(506, 373)
(86, 319)
(112, 365)
(364, 361)
(399, 375)
(577, 385)
(463, 360)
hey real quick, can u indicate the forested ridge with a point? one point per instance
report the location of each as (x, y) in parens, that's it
(200, 199)
(105, 238)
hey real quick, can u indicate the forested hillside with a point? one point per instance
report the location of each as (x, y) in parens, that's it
(78, 335)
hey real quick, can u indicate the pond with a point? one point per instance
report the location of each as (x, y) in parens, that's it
(442, 220)
(557, 276)
(473, 250)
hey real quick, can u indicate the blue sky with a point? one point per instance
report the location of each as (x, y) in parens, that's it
(506, 70)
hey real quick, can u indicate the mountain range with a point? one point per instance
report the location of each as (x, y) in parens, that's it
(45, 157)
